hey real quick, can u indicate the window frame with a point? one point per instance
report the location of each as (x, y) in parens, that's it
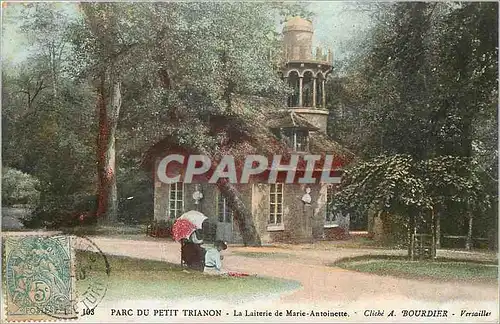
(291, 136)
(305, 136)
(272, 219)
(175, 213)
(228, 213)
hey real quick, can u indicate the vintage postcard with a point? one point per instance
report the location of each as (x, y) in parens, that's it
(271, 162)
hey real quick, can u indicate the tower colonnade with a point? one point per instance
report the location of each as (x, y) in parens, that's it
(306, 72)
(309, 89)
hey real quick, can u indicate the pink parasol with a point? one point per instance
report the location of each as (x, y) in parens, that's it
(182, 228)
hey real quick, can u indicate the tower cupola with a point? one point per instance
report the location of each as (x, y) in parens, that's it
(305, 70)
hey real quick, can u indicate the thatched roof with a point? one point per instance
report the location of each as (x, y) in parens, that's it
(289, 119)
(320, 143)
(247, 130)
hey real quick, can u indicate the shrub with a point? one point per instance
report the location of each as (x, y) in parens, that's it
(161, 228)
(57, 212)
(19, 188)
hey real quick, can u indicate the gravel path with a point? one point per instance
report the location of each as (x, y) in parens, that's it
(320, 282)
(308, 265)
(323, 287)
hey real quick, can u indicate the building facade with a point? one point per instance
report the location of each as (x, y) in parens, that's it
(281, 212)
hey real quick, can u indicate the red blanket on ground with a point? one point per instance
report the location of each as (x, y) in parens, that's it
(237, 274)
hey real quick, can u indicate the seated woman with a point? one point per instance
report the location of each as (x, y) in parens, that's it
(192, 253)
(213, 258)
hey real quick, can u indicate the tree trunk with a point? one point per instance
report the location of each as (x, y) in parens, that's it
(438, 229)
(409, 236)
(53, 69)
(241, 212)
(107, 209)
(468, 242)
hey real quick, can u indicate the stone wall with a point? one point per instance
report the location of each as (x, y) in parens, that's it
(297, 218)
(208, 205)
(301, 223)
(160, 200)
(260, 210)
(319, 203)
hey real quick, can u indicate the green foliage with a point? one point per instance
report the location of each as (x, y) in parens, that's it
(425, 84)
(194, 58)
(448, 270)
(136, 192)
(423, 92)
(402, 186)
(455, 180)
(167, 281)
(19, 188)
(179, 64)
(386, 183)
(161, 228)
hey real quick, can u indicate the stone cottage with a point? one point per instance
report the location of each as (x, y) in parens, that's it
(281, 212)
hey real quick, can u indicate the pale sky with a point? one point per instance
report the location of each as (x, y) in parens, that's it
(338, 25)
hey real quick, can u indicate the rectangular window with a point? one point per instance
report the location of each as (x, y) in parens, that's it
(276, 204)
(224, 213)
(176, 200)
(296, 139)
(301, 141)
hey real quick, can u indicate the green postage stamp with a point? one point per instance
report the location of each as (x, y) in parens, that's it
(39, 278)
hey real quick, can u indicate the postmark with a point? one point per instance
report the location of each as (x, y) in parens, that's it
(92, 271)
(40, 281)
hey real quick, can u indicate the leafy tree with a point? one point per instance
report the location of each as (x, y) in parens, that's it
(19, 188)
(400, 185)
(47, 117)
(195, 58)
(425, 86)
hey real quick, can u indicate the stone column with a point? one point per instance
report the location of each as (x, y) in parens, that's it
(323, 93)
(287, 98)
(314, 92)
(300, 91)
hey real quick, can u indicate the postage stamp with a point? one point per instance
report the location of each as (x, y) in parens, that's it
(50, 278)
(40, 281)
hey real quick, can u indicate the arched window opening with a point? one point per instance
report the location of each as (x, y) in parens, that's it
(319, 90)
(293, 82)
(307, 89)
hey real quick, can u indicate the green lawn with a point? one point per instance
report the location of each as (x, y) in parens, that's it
(135, 279)
(440, 269)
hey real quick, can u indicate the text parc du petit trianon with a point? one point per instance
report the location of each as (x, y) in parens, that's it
(254, 165)
(169, 312)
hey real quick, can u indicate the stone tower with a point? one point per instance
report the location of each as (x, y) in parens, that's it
(305, 71)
